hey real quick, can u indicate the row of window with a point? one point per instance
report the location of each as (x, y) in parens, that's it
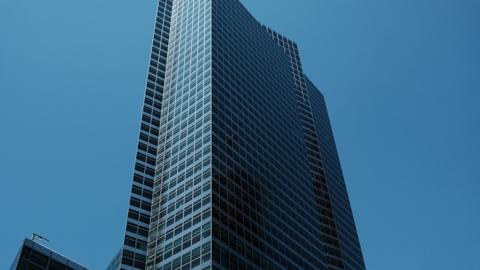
(165, 214)
(135, 243)
(173, 248)
(32, 259)
(189, 260)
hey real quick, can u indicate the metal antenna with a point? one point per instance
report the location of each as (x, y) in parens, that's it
(38, 237)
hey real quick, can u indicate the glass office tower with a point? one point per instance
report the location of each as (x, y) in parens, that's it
(236, 165)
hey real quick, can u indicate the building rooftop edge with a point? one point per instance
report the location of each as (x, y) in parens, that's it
(43, 248)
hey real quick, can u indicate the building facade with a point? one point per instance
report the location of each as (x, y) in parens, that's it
(236, 165)
(34, 256)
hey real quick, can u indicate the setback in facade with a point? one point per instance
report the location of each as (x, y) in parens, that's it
(236, 166)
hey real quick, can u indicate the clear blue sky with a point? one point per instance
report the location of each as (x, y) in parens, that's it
(402, 82)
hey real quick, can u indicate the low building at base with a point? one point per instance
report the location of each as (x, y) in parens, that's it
(34, 256)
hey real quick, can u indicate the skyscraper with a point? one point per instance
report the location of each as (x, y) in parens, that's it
(236, 165)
